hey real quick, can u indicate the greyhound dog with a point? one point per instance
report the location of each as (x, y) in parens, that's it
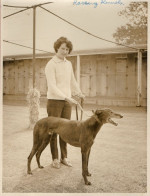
(76, 133)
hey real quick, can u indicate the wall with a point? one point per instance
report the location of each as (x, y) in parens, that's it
(109, 79)
(112, 79)
(17, 75)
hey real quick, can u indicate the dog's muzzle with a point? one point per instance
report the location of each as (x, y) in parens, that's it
(116, 116)
(112, 122)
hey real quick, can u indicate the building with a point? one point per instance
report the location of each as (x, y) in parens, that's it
(115, 76)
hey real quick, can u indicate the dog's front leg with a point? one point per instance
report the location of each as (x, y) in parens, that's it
(84, 167)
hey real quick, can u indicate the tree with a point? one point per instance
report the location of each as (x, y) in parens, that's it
(135, 31)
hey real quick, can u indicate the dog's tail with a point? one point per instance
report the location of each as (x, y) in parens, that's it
(35, 134)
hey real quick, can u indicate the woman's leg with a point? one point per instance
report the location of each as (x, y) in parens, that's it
(54, 108)
(66, 113)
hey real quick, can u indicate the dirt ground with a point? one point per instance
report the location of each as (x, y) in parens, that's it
(118, 161)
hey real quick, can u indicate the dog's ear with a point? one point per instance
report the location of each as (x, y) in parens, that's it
(98, 112)
(93, 112)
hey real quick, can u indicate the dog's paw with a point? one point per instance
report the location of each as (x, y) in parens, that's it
(30, 173)
(88, 183)
(41, 167)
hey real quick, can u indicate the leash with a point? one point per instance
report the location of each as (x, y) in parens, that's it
(82, 111)
(81, 108)
(76, 112)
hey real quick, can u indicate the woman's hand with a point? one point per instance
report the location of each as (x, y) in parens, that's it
(71, 100)
(80, 95)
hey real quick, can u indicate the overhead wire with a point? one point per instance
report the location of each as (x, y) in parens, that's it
(14, 6)
(81, 29)
(87, 31)
(24, 46)
(26, 8)
(16, 12)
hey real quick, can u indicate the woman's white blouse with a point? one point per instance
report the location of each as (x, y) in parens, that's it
(61, 81)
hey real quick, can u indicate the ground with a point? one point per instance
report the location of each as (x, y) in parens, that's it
(117, 162)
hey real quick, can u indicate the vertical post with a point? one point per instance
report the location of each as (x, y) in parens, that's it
(78, 69)
(34, 37)
(139, 78)
(33, 96)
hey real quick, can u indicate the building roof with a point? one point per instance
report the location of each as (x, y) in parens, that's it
(112, 50)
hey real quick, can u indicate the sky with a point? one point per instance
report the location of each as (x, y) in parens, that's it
(101, 21)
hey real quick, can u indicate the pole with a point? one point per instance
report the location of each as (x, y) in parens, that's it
(33, 96)
(139, 79)
(34, 37)
(78, 69)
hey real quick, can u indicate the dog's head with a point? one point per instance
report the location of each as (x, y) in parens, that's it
(106, 115)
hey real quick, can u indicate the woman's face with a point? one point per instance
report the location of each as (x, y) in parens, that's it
(62, 51)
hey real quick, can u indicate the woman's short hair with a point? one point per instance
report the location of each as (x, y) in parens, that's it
(63, 40)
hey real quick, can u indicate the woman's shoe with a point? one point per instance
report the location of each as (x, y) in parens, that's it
(66, 162)
(56, 164)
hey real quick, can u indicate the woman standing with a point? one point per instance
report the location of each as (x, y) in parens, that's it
(61, 86)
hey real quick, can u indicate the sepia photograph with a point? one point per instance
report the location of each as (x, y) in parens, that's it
(74, 90)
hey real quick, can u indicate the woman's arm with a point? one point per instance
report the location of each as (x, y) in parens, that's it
(75, 89)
